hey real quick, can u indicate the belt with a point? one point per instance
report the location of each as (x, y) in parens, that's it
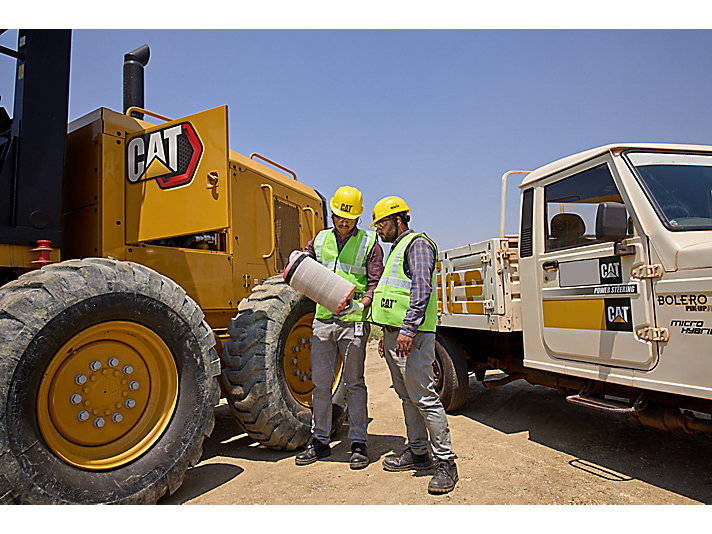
(391, 328)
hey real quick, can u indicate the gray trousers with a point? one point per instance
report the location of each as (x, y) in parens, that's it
(330, 338)
(412, 377)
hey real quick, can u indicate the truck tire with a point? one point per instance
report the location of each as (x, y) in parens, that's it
(268, 393)
(451, 379)
(108, 380)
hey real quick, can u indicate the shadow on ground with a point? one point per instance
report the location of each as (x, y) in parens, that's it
(610, 446)
(229, 441)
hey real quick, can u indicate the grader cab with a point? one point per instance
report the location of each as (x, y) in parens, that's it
(127, 248)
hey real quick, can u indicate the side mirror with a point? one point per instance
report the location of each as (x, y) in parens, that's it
(612, 225)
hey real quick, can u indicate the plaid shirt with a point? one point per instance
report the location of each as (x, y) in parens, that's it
(418, 266)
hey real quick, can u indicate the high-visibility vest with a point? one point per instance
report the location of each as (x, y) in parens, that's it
(349, 264)
(391, 299)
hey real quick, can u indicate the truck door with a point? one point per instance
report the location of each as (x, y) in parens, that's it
(176, 177)
(590, 303)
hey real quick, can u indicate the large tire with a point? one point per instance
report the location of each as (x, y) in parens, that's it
(272, 408)
(113, 341)
(451, 378)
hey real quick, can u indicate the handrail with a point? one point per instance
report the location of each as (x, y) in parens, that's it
(313, 217)
(146, 112)
(255, 154)
(504, 198)
(271, 218)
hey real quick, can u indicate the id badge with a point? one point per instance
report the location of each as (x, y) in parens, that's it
(358, 329)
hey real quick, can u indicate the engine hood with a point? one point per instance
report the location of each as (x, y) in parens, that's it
(696, 256)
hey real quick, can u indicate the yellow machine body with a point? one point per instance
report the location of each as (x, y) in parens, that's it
(173, 197)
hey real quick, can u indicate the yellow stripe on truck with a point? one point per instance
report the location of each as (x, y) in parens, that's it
(586, 314)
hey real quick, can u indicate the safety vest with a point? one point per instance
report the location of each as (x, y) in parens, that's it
(349, 264)
(391, 299)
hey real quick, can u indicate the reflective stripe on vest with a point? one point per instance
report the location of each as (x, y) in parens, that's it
(391, 299)
(350, 264)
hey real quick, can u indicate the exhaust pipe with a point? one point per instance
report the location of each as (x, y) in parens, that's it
(672, 419)
(134, 62)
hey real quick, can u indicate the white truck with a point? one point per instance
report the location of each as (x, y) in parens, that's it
(606, 294)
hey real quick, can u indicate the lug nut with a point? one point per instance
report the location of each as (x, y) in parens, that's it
(130, 403)
(308, 340)
(128, 369)
(95, 365)
(295, 348)
(76, 398)
(303, 378)
(117, 417)
(133, 385)
(293, 361)
(80, 379)
(83, 415)
(99, 422)
(113, 362)
(301, 340)
(297, 372)
(309, 376)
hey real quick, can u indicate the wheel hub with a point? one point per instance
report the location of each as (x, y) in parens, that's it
(107, 395)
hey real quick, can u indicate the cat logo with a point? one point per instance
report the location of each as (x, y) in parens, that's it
(387, 303)
(618, 314)
(169, 155)
(346, 208)
(610, 270)
(619, 317)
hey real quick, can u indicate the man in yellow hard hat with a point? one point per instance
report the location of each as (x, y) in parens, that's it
(404, 305)
(356, 256)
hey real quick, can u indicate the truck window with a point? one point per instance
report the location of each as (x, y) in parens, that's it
(570, 207)
(678, 185)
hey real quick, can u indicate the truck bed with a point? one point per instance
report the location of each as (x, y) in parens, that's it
(478, 286)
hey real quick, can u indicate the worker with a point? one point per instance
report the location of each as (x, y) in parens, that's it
(356, 256)
(402, 304)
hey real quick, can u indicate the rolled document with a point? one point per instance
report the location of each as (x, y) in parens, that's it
(320, 284)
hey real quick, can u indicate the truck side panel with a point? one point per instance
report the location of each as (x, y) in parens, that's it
(478, 286)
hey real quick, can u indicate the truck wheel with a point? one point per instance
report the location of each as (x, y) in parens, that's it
(268, 367)
(451, 380)
(107, 384)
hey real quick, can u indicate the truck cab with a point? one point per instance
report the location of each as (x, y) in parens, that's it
(628, 304)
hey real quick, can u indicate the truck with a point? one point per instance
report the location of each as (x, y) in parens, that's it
(605, 294)
(139, 284)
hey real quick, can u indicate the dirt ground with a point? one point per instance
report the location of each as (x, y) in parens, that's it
(517, 444)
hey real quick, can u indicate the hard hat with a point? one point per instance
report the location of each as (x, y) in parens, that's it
(347, 202)
(388, 206)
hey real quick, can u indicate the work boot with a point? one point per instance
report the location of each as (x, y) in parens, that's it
(444, 478)
(315, 450)
(359, 457)
(407, 460)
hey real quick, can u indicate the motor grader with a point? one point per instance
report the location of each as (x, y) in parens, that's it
(128, 245)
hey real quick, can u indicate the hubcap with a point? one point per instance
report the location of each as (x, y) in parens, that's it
(296, 361)
(92, 412)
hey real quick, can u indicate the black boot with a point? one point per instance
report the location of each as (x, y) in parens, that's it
(407, 460)
(444, 478)
(315, 450)
(359, 456)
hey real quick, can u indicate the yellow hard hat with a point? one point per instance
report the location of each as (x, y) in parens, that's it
(388, 206)
(347, 202)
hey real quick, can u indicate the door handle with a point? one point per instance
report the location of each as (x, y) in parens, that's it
(550, 265)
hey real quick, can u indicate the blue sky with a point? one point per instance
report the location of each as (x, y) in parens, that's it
(434, 116)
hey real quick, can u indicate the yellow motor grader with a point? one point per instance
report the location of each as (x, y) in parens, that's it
(128, 244)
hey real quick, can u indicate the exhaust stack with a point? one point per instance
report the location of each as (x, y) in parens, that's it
(134, 62)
